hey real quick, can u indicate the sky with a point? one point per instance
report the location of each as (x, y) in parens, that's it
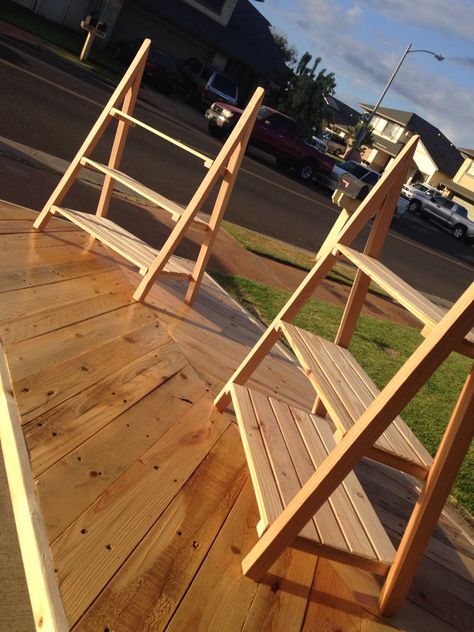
(362, 41)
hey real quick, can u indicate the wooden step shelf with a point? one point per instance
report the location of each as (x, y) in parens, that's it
(346, 391)
(119, 240)
(175, 210)
(415, 302)
(284, 446)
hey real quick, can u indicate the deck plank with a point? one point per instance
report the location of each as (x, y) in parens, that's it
(54, 434)
(38, 392)
(97, 463)
(177, 534)
(149, 587)
(91, 551)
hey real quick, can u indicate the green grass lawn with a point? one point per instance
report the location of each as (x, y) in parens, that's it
(381, 348)
(289, 255)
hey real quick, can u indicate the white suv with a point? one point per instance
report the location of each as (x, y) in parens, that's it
(408, 190)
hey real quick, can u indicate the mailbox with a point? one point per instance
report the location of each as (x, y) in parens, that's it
(94, 26)
(352, 186)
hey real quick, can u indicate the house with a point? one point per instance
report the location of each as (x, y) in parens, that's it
(339, 116)
(461, 187)
(436, 160)
(230, 35)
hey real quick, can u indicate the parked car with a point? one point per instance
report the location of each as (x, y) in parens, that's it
(449, 214)
(206, 83)
(364, 174)
(336, 144)
(408, 190)
(161, 68)
(276, 134)
(319, 144)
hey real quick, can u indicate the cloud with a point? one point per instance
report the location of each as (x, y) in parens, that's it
(455, 18)
(333, 31)
(464, 61)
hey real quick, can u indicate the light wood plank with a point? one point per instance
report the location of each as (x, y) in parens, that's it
(91, 551)
(58, 431)
(230, 597)
(266, 491)
(41, 391)
(48, 320)
(37, 354)
(327, 526)
(47, 608)
(284, 472)
(26, 301)
(94, 465)
(151, 584)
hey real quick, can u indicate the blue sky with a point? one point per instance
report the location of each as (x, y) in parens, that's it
(361, 41)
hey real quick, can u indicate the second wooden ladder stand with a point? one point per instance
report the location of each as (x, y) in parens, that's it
(307, 494)
(151, 262)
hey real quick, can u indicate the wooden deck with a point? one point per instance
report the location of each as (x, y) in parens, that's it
(144, 486)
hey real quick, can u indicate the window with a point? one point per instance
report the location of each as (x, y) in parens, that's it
(391, 129)
(444, 203)
(277, 123)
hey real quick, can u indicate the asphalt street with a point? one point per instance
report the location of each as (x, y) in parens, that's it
(51, 106)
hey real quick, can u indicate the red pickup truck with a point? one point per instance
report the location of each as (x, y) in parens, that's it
(276, 134)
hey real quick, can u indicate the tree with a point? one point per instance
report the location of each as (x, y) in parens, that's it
(353, 131)
(303, 98)
(287, 50)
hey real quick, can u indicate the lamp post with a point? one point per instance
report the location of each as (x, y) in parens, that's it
(363, 130)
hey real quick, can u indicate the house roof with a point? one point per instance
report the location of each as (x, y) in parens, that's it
(447, 158)
(246, 38)
(343, 113)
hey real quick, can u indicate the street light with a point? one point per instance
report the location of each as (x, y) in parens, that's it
(363, 130)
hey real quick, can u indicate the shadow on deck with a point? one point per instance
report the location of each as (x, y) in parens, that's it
(144, 486)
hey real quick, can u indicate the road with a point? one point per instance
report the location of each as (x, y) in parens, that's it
(51, 107)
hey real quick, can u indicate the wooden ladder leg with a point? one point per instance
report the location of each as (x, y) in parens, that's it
(93, 137)
(219, 168)
(218, 211)
(119, 144)
(449, 457)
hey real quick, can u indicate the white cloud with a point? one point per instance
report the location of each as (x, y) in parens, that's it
(329, 26)
(455, 18)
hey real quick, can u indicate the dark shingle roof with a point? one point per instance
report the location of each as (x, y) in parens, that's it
(246, 38)
(447, 158)
(343, 113)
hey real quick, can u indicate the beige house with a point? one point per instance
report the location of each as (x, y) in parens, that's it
(461, 187)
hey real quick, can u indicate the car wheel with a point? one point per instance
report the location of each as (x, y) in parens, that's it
(414, 207)
(459, 232)
(306, 171)
(337, 152)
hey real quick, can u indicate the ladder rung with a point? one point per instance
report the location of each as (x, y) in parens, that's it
(176, 210)
(413, 300)
(133, 121)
